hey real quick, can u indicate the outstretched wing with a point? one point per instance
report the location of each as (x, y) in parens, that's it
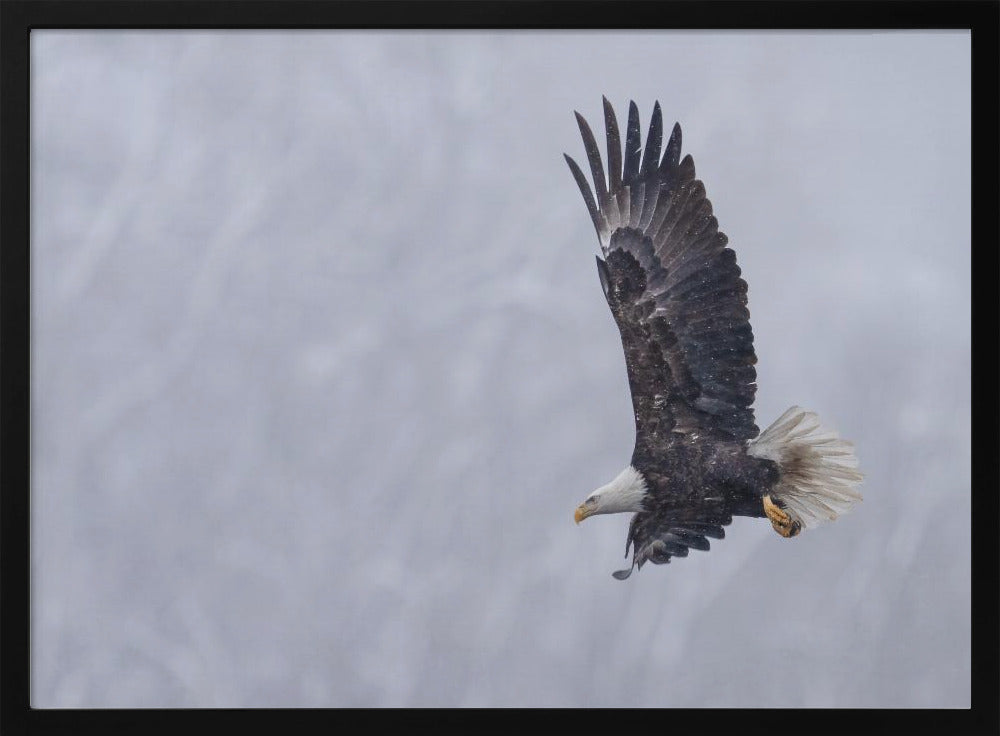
(659, 535)
(673, 287)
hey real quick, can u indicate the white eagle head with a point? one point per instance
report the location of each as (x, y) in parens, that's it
(624, 494)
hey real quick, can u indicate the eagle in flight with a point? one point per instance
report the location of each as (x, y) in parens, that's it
(675, 291)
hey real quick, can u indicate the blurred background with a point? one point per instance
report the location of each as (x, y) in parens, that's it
(321, 369)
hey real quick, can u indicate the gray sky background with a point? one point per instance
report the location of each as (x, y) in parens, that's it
(321, 369)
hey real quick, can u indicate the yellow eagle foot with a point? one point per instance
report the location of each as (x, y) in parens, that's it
(784, 524)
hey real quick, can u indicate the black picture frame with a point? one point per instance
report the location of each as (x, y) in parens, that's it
(19, 18)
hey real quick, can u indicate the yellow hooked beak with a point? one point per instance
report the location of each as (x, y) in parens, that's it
(583, 511)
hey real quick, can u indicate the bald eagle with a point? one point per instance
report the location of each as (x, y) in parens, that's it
(676, 294)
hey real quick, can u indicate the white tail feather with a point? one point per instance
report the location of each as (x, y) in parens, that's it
(819, 471)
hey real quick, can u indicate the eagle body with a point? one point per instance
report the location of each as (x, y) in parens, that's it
(694, 488)
(680, 304)
(721, 479)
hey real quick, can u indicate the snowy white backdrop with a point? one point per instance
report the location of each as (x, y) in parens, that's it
(321, 368)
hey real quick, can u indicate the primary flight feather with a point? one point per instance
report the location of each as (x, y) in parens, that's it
(680, 304)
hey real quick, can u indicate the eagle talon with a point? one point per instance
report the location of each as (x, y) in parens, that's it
(782, 522)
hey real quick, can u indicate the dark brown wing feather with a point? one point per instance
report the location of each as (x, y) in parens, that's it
(658, 536)
(673, 287)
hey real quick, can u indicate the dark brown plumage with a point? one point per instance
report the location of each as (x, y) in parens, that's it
(680, 304)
